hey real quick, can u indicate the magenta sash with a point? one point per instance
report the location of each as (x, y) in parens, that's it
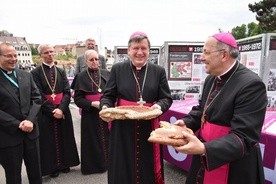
(95, 97)
(210, 132)
(156, 147)
(122, 102)
(57, 100)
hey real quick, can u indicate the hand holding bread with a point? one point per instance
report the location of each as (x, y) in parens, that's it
(169, 134)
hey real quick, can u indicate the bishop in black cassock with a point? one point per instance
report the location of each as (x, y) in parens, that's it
(88, 86)
(131, 155)
(57, 142)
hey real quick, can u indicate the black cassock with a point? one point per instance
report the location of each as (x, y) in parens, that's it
(58, 148)
(240, 106)
(132, 158)
(94, 131)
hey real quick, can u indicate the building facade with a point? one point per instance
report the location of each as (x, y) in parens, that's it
(24, 53)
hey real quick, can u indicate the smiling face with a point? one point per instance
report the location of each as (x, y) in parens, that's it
(90, 44)
(212, 56)
(8, 57)
(139, 52)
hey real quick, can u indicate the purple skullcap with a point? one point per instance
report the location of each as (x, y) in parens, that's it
(226, 38)
(138, 33)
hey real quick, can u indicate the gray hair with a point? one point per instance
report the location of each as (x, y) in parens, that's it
(89, 52)
(2, 45)
(234, 52)
(43, 46)
(90, 39)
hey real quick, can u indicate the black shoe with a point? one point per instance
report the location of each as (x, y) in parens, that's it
(66, 170)
(54, 174)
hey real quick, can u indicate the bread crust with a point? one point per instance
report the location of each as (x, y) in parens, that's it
(129, 112)
(169, 134)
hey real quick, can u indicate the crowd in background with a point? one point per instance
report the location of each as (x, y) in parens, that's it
(228, 119)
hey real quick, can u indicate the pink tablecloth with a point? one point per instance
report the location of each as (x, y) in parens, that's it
(267, 142)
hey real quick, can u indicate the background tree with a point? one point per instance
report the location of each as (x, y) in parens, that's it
(243, 31)
(253, 29)
(239, 31)
(34, 50)
(266, 14)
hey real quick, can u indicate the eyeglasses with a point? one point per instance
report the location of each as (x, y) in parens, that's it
(210, 52)
(9, 56)
(93, 59)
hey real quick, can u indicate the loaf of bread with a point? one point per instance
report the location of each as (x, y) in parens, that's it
(169, 134)
(129, 112)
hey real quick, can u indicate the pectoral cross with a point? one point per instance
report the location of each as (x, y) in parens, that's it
(141, 101)
(53, 96)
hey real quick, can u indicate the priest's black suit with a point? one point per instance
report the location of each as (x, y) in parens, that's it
(18, 103)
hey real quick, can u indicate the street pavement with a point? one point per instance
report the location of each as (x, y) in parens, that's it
(173, 174)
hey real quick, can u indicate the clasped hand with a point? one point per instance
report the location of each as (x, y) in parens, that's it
(58, 114)
(26, 126)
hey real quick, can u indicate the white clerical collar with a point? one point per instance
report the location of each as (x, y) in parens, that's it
(227, 70)
(8, 72)
(139, 68)
(50, 65)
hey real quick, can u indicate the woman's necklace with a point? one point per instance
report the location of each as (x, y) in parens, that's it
(53, 95)
(97, 85)
(141, 101)
(206, 106)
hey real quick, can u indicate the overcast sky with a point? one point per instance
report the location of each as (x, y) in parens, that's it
(111, 22)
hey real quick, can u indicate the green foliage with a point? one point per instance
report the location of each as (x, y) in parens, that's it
(65, 57)
(70, 55)
(266, 14)
(34, 51)
(62, 57)
(253, 29)
(36, 59)
(243, 31)
(239, 31)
